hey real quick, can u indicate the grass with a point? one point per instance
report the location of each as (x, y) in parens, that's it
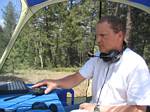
(33, 76)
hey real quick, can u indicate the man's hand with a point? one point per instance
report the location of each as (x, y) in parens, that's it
(51, 84)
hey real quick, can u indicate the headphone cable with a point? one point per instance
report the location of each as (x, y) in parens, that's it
(103, 85)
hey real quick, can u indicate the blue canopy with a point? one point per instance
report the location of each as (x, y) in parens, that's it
(144, 2)
(34, 2)
(140, 4)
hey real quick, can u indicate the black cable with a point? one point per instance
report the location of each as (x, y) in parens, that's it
(103, 85)
(100, 10)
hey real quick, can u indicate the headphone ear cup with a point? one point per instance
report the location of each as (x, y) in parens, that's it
(39, 106)
(115, 55)
(2, 110)
(53, 107)
(112, 56)
(105, 57)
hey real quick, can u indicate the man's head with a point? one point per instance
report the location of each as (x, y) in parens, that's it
(110, 33)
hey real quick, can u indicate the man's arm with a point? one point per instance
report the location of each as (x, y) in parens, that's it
(113, 108)
(70, 81)
(66, 82)
(124, 108)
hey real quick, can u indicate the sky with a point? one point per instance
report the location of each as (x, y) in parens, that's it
(3, 4)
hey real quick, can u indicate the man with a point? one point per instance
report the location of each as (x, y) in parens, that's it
(120, 77)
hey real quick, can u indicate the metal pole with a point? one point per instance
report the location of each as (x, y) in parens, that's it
(100, 9)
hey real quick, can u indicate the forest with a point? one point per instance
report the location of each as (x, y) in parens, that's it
(61, 35)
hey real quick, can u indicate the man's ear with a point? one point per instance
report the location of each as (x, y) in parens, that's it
(120, 35)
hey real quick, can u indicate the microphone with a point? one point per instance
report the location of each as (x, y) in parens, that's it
(93, 55)
(112, 56)
(39, 106)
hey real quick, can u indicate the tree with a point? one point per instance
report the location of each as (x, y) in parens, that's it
(128, 25)
(58, 36)
(140, 33)
(1, 41)
(9, 17)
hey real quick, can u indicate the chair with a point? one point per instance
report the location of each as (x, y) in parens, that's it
(62, 94)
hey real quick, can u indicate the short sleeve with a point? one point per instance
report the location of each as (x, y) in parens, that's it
(88, 68)
(138, 92)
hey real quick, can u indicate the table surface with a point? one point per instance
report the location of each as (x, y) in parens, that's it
(26, 101)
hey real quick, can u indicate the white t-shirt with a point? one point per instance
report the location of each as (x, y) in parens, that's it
(126, 82)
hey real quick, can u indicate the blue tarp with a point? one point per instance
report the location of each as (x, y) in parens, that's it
(143, 2)
(34, 2)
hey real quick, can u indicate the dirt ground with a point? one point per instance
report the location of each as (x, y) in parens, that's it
(33, 76)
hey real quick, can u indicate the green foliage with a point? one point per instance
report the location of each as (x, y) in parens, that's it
(58, 37)
(70, 69)
(9, 17)
(1, 41)
(140, 40)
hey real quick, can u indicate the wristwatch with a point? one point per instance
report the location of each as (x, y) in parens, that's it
(97, 108)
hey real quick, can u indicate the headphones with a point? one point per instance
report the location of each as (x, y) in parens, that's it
(2, 110)
(43, 106)
(37, 106)
(113, 55)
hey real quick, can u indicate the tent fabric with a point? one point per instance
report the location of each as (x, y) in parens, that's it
(144, 2)
(140, 4)
(34, 2)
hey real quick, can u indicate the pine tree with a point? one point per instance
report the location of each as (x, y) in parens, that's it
(1, 41)
(9, 17)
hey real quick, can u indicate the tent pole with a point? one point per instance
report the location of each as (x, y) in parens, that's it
(100, 9)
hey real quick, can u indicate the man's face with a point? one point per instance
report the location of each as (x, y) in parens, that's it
(106, 38)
